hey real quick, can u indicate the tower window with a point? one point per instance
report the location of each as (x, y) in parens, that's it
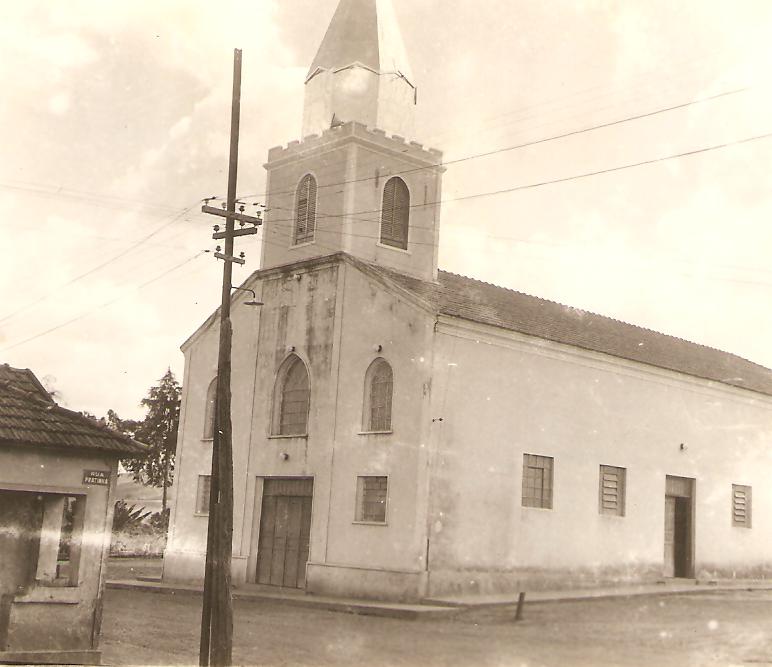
(305, 210)
(395, 213)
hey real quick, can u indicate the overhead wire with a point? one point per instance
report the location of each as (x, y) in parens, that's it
(91, 198)
(521, 145)
(103, 305)
(101, 265)
(538, 184)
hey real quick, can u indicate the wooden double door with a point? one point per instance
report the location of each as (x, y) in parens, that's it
(285, 528)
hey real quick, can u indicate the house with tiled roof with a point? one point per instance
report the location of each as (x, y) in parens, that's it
(57, 481)
(404, 432)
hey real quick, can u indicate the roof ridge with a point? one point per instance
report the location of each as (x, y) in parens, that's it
(606, 317)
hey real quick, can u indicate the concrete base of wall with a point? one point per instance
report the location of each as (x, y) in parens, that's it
(183, 566)
(352, 582)
(758, 571)
(490, 582)
(188, 567)
(51, 657)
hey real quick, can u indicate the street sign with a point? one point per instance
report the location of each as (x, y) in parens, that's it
(96, 477)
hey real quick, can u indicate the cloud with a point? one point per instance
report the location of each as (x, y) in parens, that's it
(59, 104)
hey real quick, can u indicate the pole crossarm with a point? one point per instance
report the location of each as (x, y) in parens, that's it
(232, 215)
(236, 232)
(230, 258)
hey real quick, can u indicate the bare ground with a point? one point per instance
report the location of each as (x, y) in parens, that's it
(716, 628)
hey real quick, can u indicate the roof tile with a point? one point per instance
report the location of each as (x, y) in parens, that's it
(466, 298)
(30, 418)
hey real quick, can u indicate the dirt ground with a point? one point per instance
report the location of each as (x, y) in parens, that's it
(715, 628)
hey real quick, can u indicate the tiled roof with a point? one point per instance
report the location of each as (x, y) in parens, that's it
(30, 418)
(470, 299)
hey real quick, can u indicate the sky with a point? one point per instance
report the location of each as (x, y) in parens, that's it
(114, 124)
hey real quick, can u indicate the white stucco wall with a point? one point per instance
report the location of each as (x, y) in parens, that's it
(501, 396)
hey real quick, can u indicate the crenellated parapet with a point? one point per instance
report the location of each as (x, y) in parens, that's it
(375, 138)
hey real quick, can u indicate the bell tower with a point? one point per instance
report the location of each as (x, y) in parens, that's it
(357, 182)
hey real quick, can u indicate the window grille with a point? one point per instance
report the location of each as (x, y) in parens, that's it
(741, 505)
(305, 210)
(295, 399)
(611, 492)
(395, 213)
(202, 494)
(372, 493)
(379, 387)
(209, 408)
(537, 481)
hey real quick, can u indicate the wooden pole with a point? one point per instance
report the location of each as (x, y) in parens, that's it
(206, 609)
(221, 528)
(520, 605)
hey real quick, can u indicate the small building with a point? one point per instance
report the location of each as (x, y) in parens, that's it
(57, 481)
(403, 432)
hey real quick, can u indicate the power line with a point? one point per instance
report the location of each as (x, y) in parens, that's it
(526, 144)
(540, 183)
(96, 268)
(91, 198)
(103, 305)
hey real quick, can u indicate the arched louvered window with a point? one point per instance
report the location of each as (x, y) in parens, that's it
(305, 210)
(292, 398)
(379, 387)
(209, 408)
(395, 213)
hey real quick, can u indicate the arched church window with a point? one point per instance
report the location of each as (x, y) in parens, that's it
(292, 398)
(209, 408)
(395, 213)
(379, 387)
(305, 210)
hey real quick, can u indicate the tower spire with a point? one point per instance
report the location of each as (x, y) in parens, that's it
(361, 72)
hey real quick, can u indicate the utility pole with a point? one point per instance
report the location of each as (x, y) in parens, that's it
(216, 645)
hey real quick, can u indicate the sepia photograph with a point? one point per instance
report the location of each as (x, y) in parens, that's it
(398, 333)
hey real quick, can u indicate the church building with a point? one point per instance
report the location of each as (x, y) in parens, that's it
(402, 432)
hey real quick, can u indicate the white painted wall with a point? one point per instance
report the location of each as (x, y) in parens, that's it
(504, 395)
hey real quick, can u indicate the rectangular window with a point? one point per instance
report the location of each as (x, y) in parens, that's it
(43, 534)
(611, 492)
(202, 494)
(372, 493)
(537, 481)
(741, 505)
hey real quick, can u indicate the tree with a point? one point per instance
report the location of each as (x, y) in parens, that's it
(128, 427)
(158, 430)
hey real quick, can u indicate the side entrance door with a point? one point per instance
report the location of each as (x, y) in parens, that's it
(679, 532)
(285, 528)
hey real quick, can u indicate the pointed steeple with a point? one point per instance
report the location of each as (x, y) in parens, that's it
(361, 72)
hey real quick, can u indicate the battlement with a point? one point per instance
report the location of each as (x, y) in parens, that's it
(355, 131)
